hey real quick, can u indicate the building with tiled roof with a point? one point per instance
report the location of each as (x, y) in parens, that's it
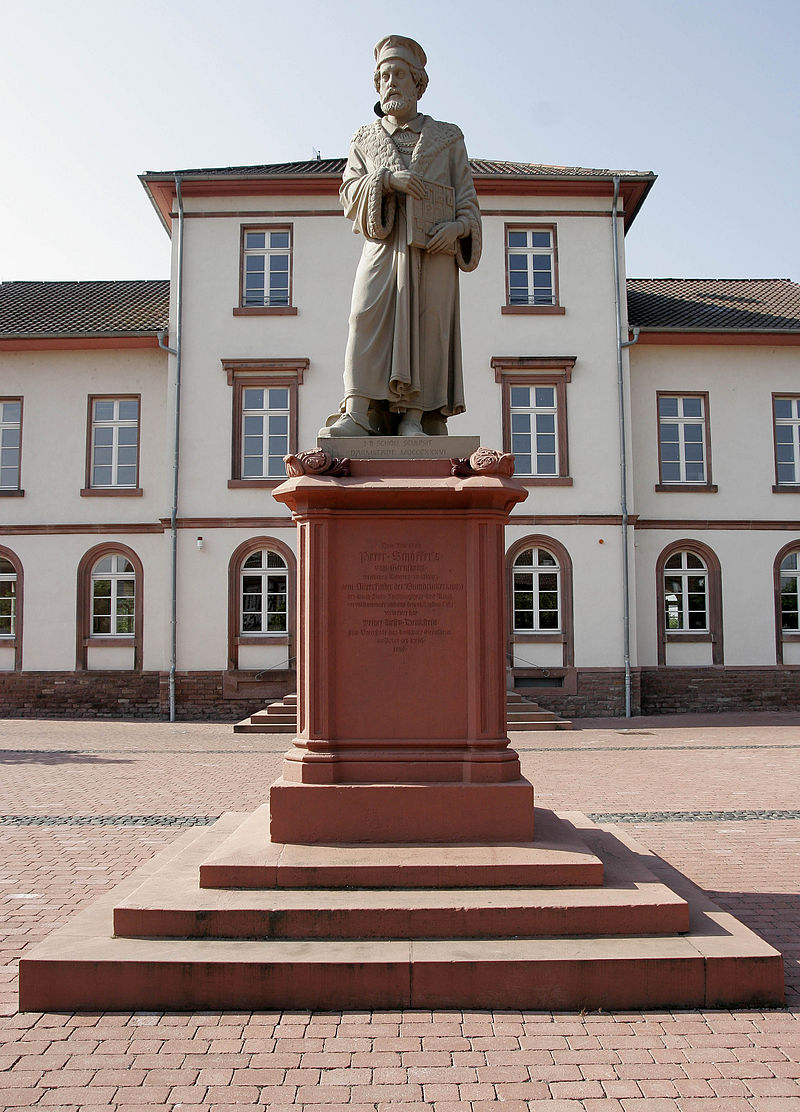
(655, 425)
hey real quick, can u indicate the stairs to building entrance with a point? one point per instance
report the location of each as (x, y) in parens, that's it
(280, 717)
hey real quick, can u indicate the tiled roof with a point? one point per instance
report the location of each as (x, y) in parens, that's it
(714, 304)
(481, 167)
(83, 308)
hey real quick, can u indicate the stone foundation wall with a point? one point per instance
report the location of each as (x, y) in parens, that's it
(588, 693)
(713, 690)
(199, 696)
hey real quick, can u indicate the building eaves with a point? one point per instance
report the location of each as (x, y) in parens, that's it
(714, 304)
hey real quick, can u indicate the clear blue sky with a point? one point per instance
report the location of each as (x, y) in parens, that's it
(703, 92)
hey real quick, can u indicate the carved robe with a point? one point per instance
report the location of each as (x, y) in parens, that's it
(404, 346)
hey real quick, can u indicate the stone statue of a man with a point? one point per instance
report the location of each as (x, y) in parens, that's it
(402, 372)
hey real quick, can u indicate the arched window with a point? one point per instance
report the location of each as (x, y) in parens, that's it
(261, 587)
(540, 601)
(786, 574)
(689, 594)
(264, 593)
(110, 602)
(536, 590)
(11, 608)
(113, 598)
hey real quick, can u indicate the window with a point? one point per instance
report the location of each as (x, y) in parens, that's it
(264, 418)
(265, 592)
(110, 593)
(786, 416)
(113, 597)
(535, 416)
(689, 597)
(261, 588)
(10, 445)
(265, 431)
(531, 270)
(11, 605)
(683, 442)
(113, 463)
(685, 593)
(265, 284)
(787, 604)
(536, 592)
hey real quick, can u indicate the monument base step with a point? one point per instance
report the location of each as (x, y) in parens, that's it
(717, 963)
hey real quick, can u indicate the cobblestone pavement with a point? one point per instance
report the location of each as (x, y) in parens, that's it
(82, 804)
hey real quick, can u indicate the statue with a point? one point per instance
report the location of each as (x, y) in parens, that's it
(408, 189)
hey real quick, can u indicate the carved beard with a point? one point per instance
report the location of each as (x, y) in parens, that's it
(396, 104)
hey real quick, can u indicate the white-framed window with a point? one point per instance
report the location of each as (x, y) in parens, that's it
(683, 439)
(8, 598)
(266, 267)
(685, 594)
(10, 442)
(533, 414)
(786, 412)
(264, 594)
(536, 579)
(114, 443)
(530, 266)
(266, 413)
(113, 597)
(790, 593)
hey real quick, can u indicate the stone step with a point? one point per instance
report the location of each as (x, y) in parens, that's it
(718, 963)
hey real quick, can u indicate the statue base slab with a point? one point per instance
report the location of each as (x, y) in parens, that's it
(398, 447)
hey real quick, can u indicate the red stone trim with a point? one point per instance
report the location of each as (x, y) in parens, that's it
(566, 635)
(12, 493)
(780, 636)
(18, 492)
(537, 371)
(533, 310)
(786, 488)
(16, 640)
(257, 214)
(242, 373)
(78, 343)
(714, 582)
(106, 492)
(265, 310)
(694, 523)
(740, 338)
(539, 214)
(235, 638)
(237, 484)
(556, 307)
(696, 488)
(780, 488)
(83, 637)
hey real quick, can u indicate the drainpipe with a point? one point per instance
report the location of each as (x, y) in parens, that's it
(623, 455)
(176, 440)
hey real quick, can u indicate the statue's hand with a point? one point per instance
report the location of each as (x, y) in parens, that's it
(404, 181)
(444, 237)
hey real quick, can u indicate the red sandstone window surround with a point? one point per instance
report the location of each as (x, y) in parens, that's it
(261, 597)
(265, 270)
(108, 563)
(531, 269)
(786, 580)
(689, 598)
(786, 434)
(11, 598)
(11, 447)
(264, 418)
(113, 433)
(684, 443)
(535, 428)
(539, 575)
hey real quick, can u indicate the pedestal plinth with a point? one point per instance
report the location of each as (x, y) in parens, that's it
(401, 659)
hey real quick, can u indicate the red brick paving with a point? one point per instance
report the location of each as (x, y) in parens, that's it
(422, 1061)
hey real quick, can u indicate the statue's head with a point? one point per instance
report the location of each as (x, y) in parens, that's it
(399, 72)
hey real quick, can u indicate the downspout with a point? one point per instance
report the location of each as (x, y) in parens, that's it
(176, 438)
(623, 455)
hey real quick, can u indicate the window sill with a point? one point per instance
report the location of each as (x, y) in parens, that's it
(545, 480)
(12, 493)
(786, 488)
(686, 488)
(110, 641)
(112, 492)
(671, 635)
(265, 311)
(549, 638)
(235, 484)
(262, 639)
(533, 310)
(786, 635)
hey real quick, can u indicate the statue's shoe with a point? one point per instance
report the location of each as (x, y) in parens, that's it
(409, 427)
(434, 424)
(348, 425)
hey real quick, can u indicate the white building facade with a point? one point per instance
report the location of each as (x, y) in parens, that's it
(674, 589)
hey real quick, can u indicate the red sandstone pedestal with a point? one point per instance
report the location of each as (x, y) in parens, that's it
(401, 659)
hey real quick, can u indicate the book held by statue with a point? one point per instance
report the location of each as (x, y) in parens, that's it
(438, 206)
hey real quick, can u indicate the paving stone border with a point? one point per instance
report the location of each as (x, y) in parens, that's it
(107, 820)
(694, 816)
